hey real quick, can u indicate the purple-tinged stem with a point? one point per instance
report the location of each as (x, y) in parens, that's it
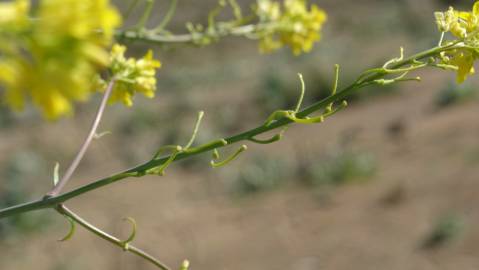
(68, 174)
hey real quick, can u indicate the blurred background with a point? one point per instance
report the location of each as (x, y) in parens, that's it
(389, 183)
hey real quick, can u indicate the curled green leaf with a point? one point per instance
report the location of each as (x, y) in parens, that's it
(335, 86)
(273, 139)
(132, 234)
(301, 96)
(56, 176)
(72, 230)
(343, 105)
(216, 154)
(185, 265)
(275, 116)
(99, 135)
(195, 130)
(165, 148)
(160, 170)
(395, 60)
(306, 120)
(230, 158)
(236, 9)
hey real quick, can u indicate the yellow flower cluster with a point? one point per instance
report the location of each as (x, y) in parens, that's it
(465, 27)
(293, 25)
(49, 54)
(131, 76)
(13, 15)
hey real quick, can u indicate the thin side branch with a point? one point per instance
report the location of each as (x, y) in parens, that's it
(76, 161)
(156, 38)
(115, 241)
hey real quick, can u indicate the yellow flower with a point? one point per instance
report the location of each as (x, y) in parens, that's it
(131, 75)
(87, 19)
(465, 27)
(14, 13)
(464, 61)
(296, 26)
(268, 10)
(54, 61)
(444, 20)
(461, 24)
(306, 26)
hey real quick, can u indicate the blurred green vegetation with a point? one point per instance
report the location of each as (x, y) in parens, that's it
(17, 172)
(454, 93)
(6, 118)
(446, 229)
(340, 168)
(262, 174)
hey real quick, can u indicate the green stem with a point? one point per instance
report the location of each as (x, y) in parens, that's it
(245, 136)
(168, 16)
(115, 241)
(130, 8)
(149, 36)
(146, 15)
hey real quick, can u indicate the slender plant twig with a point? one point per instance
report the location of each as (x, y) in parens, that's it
(155, 38)
(146, 15)
(68, 174)
(62, 209)
(130, 8)
(141, 170)
(168, 16)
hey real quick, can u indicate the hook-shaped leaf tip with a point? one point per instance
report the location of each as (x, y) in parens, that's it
(301, 96)
(229, 159)
(306, 120)
(56, 177)
(273, 139)
(161, 150)
(195, 130)
(329, 108)
(332, 111)
(132, 236)
(395, 60)
(216, 154)
(223, 142)
(236, 9)
(97, 136)
(72, 230)
(275, 116)
(336, 79)
(160, 170)
(185, 265)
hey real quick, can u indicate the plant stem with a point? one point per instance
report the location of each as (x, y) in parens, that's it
(152, 37)
(76, 161)
(245, 136)
(168, 16)
(117, 242)
(130, 9)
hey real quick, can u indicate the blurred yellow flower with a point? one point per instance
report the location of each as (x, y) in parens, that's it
(461, 24)
(295, 26)
(268, 10)
(131, 76)
(14, 13)
(464, 61)
(93, 20)
(53, 61)
(465, 27)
